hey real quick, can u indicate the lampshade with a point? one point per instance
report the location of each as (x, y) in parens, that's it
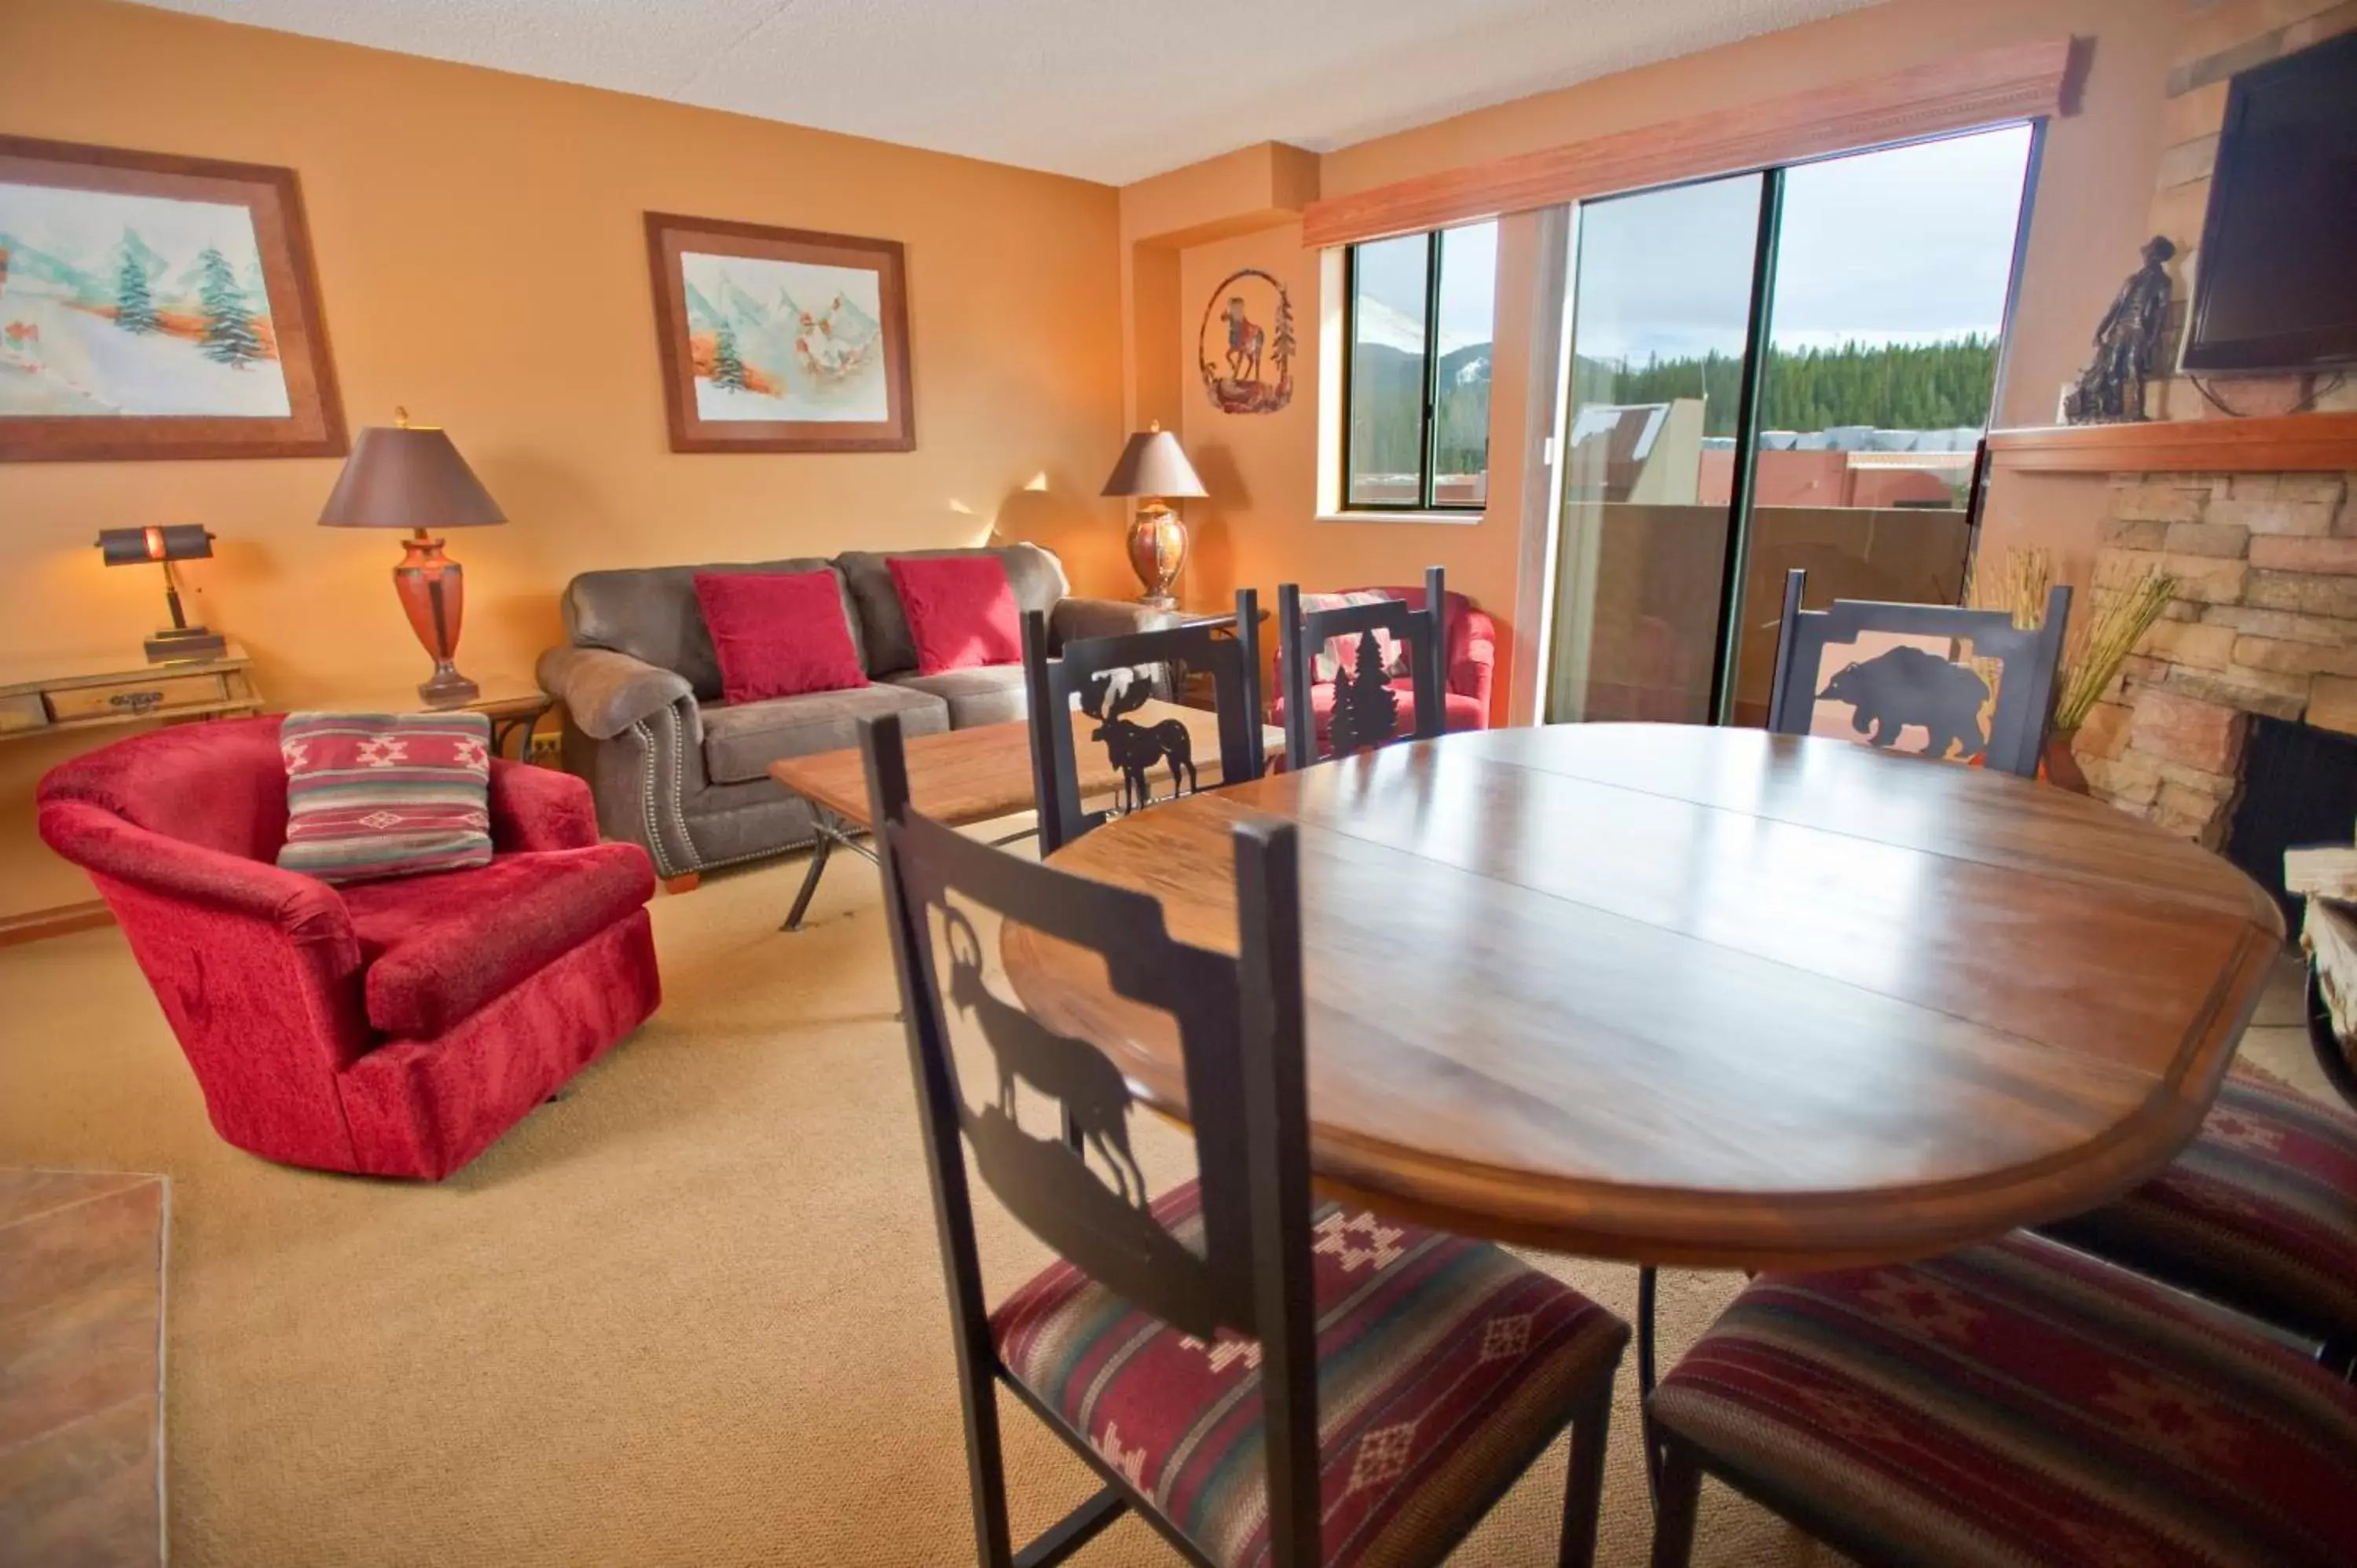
(1151, 465)
(407, 476)
(138, 546)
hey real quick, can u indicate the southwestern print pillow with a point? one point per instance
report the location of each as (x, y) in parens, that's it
(1340, 651)
(377, 795)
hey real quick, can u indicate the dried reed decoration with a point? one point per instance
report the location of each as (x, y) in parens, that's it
(2111, 619)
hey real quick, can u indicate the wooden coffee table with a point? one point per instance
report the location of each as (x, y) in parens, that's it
(964, 777)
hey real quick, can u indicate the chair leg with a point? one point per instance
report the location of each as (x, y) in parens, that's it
(1647, 1288)
(1678, 1493)
(1583, 1493)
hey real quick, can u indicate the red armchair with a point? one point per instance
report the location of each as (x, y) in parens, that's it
(1470, 652)
(391, 1028)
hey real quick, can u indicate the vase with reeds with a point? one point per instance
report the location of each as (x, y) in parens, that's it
(2104, 631)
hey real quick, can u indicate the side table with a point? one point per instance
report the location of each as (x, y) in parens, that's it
(513, 706)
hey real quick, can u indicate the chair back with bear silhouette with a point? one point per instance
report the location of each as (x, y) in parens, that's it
(1365, 713)
(1944, 689)
(1238, 1024)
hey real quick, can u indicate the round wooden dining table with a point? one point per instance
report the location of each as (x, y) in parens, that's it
(1708, 997)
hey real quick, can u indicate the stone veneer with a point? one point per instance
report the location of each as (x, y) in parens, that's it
(2264, 621)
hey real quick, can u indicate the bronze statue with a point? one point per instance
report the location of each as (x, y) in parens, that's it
(2127, 345)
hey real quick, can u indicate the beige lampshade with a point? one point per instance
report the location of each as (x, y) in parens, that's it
(405, 476)
(1151, 465)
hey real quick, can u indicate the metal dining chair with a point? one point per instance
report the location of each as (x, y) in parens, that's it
(1104, 680)
(1263, 1379)
(1910, 685)
(1365, 710)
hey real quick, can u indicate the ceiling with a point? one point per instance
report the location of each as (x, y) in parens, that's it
(1105, 89)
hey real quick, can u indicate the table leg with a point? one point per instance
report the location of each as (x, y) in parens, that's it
(819, 853)
(1646, 1290)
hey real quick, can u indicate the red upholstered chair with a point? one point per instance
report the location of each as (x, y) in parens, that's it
(391, 1028)
(1469, 654)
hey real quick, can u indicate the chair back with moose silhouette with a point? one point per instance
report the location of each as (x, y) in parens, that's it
(1369, 648)
(1102, 682)
(1239, 1025)
(1970, 681)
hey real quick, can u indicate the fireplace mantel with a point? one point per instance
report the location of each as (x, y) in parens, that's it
(2294, 443)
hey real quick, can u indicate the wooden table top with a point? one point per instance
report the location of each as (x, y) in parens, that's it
(978, 774)
(1708, 996)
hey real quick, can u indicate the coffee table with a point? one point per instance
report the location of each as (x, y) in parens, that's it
(964, 777)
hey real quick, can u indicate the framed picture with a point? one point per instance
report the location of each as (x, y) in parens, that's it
(158, 306)
(780, 339)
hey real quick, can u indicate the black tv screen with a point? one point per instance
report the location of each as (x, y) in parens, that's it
(2275, 281)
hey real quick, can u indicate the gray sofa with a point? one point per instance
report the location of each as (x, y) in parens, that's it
(676, 770)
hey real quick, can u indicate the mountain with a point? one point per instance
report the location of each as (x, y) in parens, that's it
(26, 262)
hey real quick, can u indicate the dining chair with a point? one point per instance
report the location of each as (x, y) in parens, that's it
(1908, 684)
(1106, 680)
(1395, 647)
(1263, 1379)
(2013, 1402)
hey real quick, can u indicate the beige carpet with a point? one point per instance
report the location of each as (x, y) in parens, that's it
(691, 1314)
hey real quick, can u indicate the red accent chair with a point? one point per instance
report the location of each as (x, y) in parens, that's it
(1470, 653)
(391, 1028)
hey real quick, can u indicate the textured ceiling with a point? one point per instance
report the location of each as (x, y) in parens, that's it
(1107, 90)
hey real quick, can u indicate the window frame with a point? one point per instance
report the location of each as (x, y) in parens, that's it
(1422, 501)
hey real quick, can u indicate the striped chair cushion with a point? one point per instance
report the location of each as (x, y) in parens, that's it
(375, 795)
(1445, 1366)
(2020, 1403)
(2260, 1212)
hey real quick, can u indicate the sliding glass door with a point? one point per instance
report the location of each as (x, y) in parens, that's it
(1793, 368)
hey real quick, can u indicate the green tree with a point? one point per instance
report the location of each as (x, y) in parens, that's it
(727, 365)
(229, 335)
(135, 308)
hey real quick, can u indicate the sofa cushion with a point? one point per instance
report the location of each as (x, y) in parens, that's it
(651, 614)
(377, 795)
(777, 634)
(1034, 575)
(742, 740)
(961, 611)
(990, 695)
(437, 947)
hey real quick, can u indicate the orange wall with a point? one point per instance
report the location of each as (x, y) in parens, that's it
(2095, 186)
(481, 260)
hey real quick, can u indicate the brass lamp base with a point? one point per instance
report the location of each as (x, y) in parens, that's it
(1157, 548)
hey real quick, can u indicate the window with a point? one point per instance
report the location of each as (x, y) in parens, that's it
(1417, 322)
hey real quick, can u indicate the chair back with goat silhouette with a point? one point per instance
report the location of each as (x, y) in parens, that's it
(1971, 683)
(1366, 647)
(1103, 682)
(1238, 1024)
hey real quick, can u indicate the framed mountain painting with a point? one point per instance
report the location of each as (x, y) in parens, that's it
(780, 339)
(158, 306)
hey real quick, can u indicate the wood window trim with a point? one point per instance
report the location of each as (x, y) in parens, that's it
(1987, 87)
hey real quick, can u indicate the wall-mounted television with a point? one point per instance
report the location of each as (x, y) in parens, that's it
(2276, 280)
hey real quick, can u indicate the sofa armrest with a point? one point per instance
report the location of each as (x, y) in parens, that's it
(1078, 618)
(606, 693)
(539, 808)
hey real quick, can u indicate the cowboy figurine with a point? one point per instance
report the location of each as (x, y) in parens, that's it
(2127, 345)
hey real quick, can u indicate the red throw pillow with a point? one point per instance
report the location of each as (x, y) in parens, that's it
(777, 634)
(960, 610)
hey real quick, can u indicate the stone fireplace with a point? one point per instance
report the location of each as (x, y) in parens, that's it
(2264, 622)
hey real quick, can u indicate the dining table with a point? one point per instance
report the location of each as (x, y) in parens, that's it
(1703, 996)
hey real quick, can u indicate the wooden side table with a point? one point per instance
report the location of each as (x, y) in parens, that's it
(94, 691)
(513, 706)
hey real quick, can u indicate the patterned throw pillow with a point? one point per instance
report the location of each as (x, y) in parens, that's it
(1340, 650)
(377, 795)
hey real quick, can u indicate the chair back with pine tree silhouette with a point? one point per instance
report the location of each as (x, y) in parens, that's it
(1361, 639)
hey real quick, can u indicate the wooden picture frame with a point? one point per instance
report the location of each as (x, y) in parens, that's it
(780, 340)
(208, 369)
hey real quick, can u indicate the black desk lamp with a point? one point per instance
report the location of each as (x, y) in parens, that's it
(182, 542)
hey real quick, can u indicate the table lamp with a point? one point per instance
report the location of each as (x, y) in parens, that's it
(409, 475)
(1151, 468)
(181, 542)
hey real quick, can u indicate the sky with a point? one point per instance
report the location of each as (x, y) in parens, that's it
(1908, 245)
